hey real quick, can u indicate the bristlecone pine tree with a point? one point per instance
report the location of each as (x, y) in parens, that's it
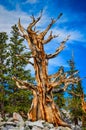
(43, 106)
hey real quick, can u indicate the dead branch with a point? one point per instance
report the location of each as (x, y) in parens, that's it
(66, 80)
(62, 45)
(56, 75)
(42, 34)
(59, 90)
(24, 85)
(49, 38)
(34, 21)
(21, 28)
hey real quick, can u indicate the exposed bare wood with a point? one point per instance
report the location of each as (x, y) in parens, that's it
(83, 106)
(49, 38)
(66, 80)
(57, 90)
(21, 28)
(24, 85)
(83, 103)
(24, 34)
(42, 34)
(34, 21)
(62, 45)
(55, 75)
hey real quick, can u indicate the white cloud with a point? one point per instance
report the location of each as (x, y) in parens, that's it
(30, 1)
(75, 35)
(9, 18)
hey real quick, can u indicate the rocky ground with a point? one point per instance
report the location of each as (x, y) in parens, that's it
(17, 123)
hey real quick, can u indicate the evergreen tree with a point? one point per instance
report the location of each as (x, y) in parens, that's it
(75, 90)
(3, 70)
(18, 98)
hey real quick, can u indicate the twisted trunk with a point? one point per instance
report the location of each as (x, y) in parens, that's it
(43, 106)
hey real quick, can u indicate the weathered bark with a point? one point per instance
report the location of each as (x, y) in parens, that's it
(83, 103)
(43, 106)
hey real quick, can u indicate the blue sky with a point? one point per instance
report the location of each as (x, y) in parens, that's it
(72, 22)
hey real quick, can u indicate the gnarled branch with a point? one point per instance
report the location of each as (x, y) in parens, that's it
(21, 28)
(42, 34)
(49, 38)
(56, 75)
(59, 90)
(34, 21)
(62, 45)
(24, 85)
(66, 80)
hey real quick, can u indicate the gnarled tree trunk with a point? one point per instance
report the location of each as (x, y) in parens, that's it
(43, 106)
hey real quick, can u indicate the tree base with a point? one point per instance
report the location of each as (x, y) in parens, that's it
(45, 111)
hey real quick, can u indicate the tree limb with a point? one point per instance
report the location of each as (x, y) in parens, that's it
(56, 75)
(49, 38)
(42, 34)
(58, 49)
(25, 34)
(34, 21)
(24, 85)
(25, 59)
(21, 28)
(66, 80)
(59, 90)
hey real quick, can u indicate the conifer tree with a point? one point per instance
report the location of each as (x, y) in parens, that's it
(75, 91)
(18, 98)
(3, 70)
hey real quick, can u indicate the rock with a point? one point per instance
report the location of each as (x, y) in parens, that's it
(17, 123)
(46, 128)
(26, 128)
(10, 119)
(36, 128)
(1, 119)
(35, 123)
(80, 123)
(53, 128)
(77, 128)
(18, 120)
(8, 126)
(7, 116)
(1, 123)
(46, 124)
(17, 117)
(63, 128)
